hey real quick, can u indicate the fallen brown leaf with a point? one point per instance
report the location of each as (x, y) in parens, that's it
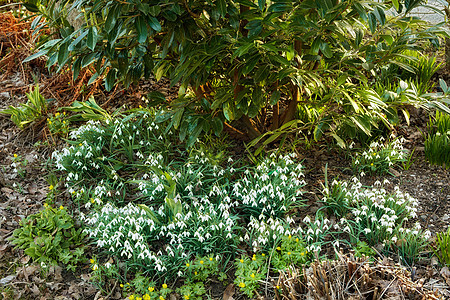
(229, 292)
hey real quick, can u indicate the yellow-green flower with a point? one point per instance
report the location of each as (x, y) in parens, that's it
(164, 286)
(61, 207)
(187, 265)
(51, 187)
(242, 285)
(15, 155)
(201, 262)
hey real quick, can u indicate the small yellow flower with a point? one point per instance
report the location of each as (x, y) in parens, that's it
(289, 253)
(187, 265)
(371, 164)
(201, 262)
(131, 297)
(121, 285)
(146, 297)
(241, 261)
(211, 259)
(15, 155)
(80, 144)
(254, 257)
(186, 297)
(195, 273)
(161, 298)
(64, 113)
(92, 261)
(92, 200)
(61, 207)
(51, 187)
(49, 122)
(164, 286)
(253, 275)
(302, 253)
(290, 236)
(151, 289)
(64, 122)
(45, 205)
(278, 287)
(279, 248)
(57, 114)
(297, 240)
(242, 285)
(263, 254)
(138, 298)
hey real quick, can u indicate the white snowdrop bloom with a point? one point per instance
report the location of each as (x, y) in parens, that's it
(306, 219)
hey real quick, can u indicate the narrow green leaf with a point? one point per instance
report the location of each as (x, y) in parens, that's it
(92, 38)
(326, 50)
(76, 67)
(372, 22)
(339, 141)
(221, 7)
(34, 56)
(110, 79)
(154, 24)
(63, 53)
(275, 97)
(177, 117)
(262, 4)
(141, 28)
(217, 125)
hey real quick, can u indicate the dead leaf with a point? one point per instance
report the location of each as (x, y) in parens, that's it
(32, 189)
(445, 272)
(25, 259)
(26, 272)
(229, 292)
(173, 297)
(3, 249)
(394, 172)
(7, 279)
(35, 290)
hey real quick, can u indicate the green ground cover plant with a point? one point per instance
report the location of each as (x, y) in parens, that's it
(50, 237)
(379, 157)
(33, 110)
(169, 219)
(437, 141)
(442, 249)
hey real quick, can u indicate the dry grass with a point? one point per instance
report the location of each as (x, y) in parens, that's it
(351, 278)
